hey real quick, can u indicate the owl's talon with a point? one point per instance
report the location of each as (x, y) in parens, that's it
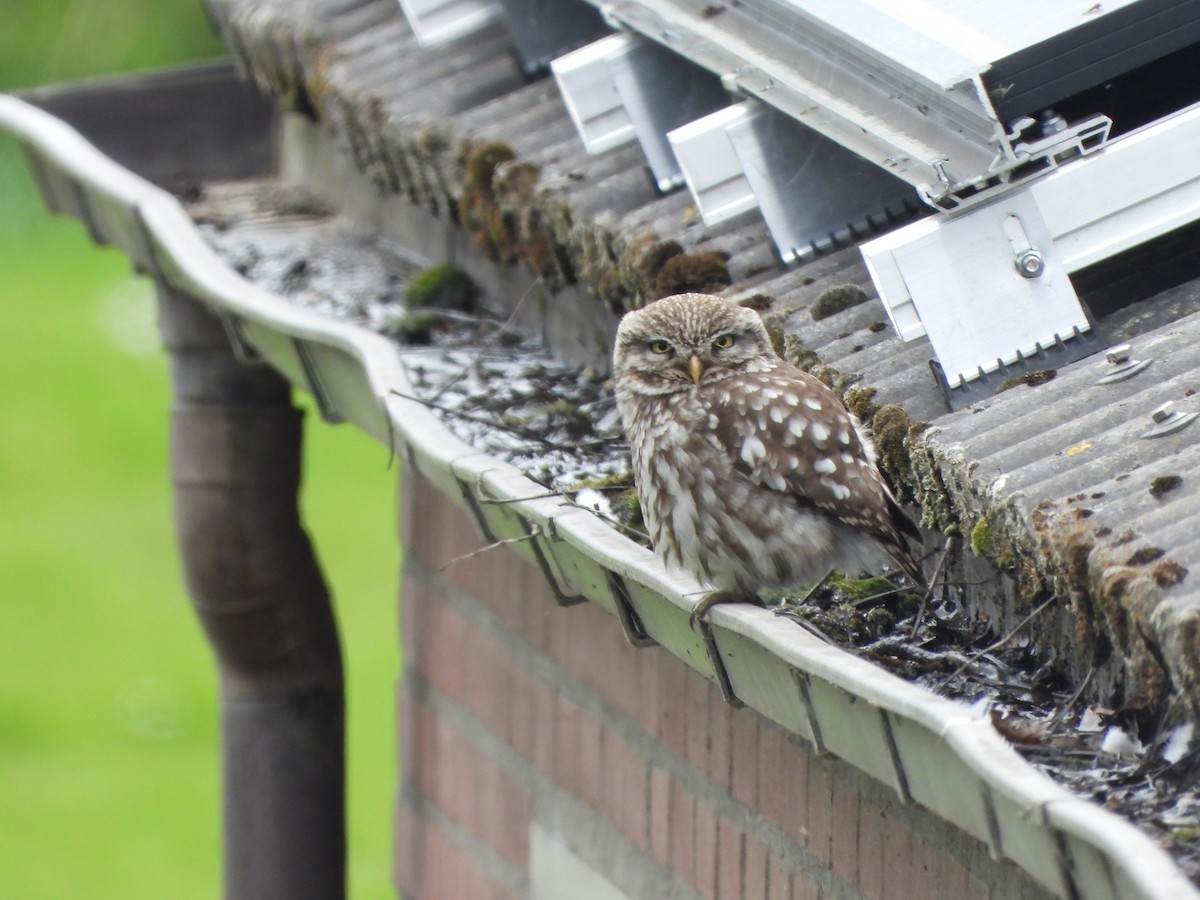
(708, 601)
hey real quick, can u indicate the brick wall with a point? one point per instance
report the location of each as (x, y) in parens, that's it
(544, 756)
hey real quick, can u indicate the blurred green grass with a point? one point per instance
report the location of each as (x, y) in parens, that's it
(109, 782)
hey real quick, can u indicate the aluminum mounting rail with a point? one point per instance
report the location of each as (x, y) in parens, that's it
(990, 285)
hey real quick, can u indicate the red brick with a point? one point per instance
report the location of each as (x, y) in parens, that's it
(503, 818)
(523, 729)
(720, 735)
(922, 867)
(872, 824)
(795, 764)
(897, 863)
(820, 804)
(779, 879)
(413, 598)
(697, 733)
(626, 801)
(565, 767)
(704, 876)
(448, 873)
(754, 871)
(744, 750)
(545, 702)
(660, 816)
(409, 830)
(541, 610)
(844, 831)
(470, 789)
(591, 771)
(406, 731)
(424, 767)
(441, 648)
(772, 779)
(445, 531)
(614, 664)
(648, 709)
(683, 831)
(803, 889)
(731, 846)
(949, 877)
(672, 683)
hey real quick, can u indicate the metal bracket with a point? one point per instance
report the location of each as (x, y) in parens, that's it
(325, 405)
(626, 88)
(561, 597)
(544, 29)
(243, 351)
(631, 622)
(440, 21)
(814, 195)
(989, 289)
(985, 383)
(718, 664)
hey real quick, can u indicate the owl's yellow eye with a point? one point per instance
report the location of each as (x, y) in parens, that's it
(660, 346)
(724, 342)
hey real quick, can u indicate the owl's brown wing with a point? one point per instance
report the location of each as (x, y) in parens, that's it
(788, 432)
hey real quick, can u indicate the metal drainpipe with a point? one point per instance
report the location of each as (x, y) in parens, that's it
(258, 591)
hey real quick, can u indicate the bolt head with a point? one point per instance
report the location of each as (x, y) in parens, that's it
(1119, 354)
(1030, 263)
(1164, 412)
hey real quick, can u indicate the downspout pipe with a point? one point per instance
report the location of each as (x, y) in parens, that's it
(258, 591)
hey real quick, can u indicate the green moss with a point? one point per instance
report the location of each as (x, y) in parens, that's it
(853, 589)
(704, 272)
(760, 303)
(1030, 379)
(797, 354)
(444, 286)
(981, 537)
(1164, 484)
(861, 402)
(481, 163)
(836, 299)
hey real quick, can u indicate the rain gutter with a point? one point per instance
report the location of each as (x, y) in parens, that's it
(931, 751)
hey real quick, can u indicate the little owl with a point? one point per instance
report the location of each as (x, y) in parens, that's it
(752, 474)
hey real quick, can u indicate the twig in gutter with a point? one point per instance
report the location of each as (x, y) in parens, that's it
(533, 533)
(480, 420)
(1066, 708)
(486, 343)
(1001, 642)
(937, 571)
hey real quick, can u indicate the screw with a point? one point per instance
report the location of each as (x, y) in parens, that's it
(1052, 123)
(1163, 412)
(1030, 263)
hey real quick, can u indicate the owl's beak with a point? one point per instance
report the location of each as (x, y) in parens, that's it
(695, 368)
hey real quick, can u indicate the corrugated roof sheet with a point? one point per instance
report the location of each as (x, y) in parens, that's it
(1056, 477)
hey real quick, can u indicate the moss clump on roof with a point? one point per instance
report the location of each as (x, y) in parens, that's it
(861, 402)
(1029, 379)
(836, 299)
(705, 272)
(981, 538)
(1164, 484)
(444, 286)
